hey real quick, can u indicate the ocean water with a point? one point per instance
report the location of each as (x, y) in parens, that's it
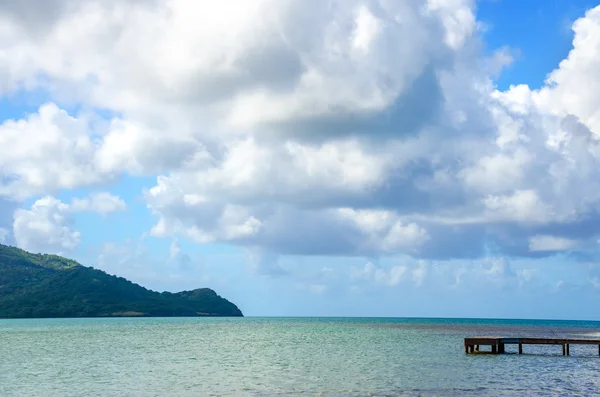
(287, 357)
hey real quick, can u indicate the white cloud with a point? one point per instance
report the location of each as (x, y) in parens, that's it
(210, 220)
(272, 66)
(51, 150)
(47, 151)
(385, 232)
(502, 58)
(521, 206)
(541, 243)
(139, 150)
(102, 203)
(374, 131)
(497, 173)
(573, 86)
(457, 17)
(495, 180)
(48, 226)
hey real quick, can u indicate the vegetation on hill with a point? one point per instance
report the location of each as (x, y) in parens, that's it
(40, 285)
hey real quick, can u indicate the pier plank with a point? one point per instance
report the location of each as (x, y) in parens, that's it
(498, 343)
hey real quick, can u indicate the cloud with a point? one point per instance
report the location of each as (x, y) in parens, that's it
(487, 275)
(371, 273)
(136, 260)
(420, 273)
(102, 203)
(4, 233)
(266, 264)
(52, 150)
(182, 65)
(47, 151)
(521, 206)
(7, 209)
(174, 249)
(377, 131)
(551, 243)
(46, 227)
(487, 185)
(572, 87)
(384, 232)
(49, 225)
(497, 173)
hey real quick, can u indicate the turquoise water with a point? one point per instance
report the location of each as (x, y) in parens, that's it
(292, 357)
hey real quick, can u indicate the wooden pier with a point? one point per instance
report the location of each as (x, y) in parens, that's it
(472, 345)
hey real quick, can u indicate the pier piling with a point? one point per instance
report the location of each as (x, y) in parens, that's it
(497, 344)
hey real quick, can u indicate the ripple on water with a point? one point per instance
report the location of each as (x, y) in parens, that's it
(183, 357)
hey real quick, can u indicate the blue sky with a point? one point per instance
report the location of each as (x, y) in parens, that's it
(303, 158)
(539, 32)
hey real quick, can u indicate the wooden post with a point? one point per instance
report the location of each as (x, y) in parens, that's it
(498, 345)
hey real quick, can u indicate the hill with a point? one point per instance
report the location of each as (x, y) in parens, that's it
(41, 285)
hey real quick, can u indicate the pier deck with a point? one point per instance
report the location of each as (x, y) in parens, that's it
(497, 344)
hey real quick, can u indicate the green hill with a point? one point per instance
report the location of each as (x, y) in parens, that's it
(39, 285)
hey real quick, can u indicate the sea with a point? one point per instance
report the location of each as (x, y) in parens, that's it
(177, 357)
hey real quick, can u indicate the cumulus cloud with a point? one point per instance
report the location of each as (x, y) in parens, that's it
(44, 152)
(521, 206)
(46, 227)
(51, 149)
(49, 227)
(573, 86)
(376, 131)
(384, 232)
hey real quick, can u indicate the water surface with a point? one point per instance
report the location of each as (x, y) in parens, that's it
(274, 357)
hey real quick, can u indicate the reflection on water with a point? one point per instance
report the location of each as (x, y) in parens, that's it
(276, 357)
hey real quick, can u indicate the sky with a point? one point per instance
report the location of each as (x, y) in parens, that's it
(398, 158)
